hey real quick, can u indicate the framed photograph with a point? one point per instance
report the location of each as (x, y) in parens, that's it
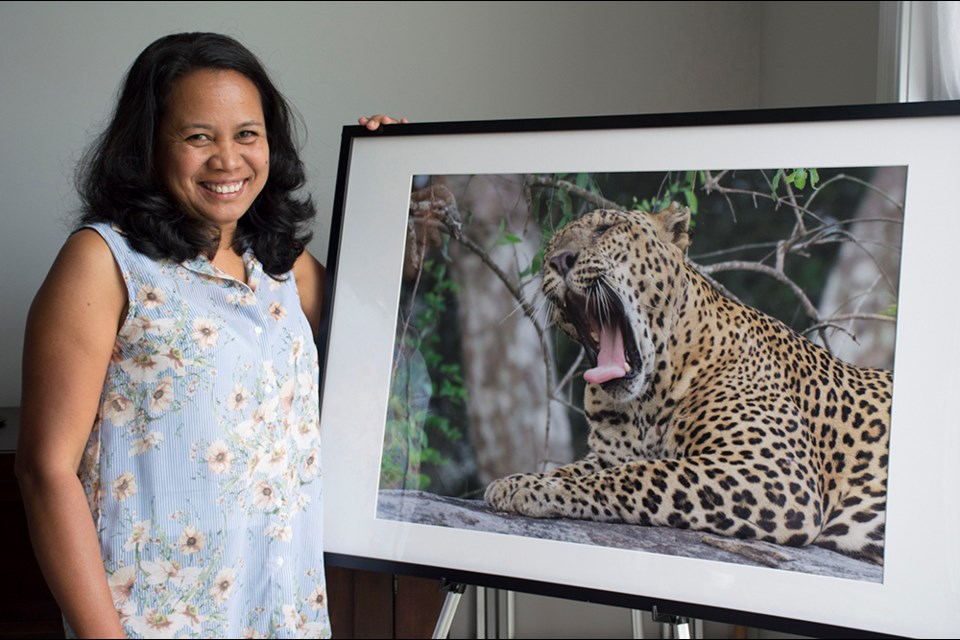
(699, 362)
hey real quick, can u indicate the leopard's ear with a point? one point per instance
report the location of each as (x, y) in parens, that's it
(674, 225)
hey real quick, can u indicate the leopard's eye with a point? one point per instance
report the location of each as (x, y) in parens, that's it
(602, 229)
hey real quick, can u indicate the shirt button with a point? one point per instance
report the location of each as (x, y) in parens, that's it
(258, 330)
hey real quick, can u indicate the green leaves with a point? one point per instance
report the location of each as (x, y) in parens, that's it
(797, 178)
(424, 374)
(676, 188)
(535, 264)
(504, 236)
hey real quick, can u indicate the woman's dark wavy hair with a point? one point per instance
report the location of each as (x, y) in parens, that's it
(118, 182)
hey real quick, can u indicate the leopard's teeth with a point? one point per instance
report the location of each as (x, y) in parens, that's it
(595, 336)
(627, 368)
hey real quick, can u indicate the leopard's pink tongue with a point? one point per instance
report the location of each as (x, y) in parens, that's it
(611, 361)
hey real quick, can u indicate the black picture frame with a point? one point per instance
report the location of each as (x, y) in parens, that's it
(919, 588)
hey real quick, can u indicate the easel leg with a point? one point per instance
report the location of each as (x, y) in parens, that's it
(454, 592)
(495, 613)
(636, 623)
(681, 627)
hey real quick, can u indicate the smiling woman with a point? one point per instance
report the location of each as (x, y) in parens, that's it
(171, 483)
(184, 99)
(212, 152)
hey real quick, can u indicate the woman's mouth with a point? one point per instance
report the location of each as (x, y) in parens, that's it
(223, 188)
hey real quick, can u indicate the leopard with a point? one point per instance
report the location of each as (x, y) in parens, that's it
(704, 413)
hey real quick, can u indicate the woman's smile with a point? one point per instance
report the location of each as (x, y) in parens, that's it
(212, 150)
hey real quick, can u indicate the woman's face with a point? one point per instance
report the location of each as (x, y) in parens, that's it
(211, 150)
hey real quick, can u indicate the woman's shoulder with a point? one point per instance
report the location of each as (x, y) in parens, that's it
(87, 260)
(307, 267)
(309, 275)
(84, 278)
(88, 248)
(112, 235)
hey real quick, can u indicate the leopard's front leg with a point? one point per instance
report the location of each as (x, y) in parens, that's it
(774, 502)
(539, 495)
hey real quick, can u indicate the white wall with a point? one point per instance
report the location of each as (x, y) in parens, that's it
(818, 53)
(60, 64)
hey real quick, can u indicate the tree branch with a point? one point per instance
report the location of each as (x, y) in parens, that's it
(583, 194)
(528, 311)
(779, 276)
(568, 376)
(832, 321)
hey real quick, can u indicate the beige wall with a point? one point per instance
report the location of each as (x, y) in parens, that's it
(818, 53)
(60, 64)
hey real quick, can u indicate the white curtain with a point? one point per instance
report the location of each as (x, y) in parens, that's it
(945, 67)
(928, 49)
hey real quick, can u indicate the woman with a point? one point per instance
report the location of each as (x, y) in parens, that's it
(169, 357)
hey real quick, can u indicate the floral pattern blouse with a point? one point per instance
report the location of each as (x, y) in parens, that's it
(202, 470)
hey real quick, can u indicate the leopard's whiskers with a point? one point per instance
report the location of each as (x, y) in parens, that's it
(536, 305)
(606, 300)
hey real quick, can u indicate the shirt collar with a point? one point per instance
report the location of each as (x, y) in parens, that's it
(202, 266)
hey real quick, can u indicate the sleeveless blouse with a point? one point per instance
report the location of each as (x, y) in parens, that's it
(202, 470)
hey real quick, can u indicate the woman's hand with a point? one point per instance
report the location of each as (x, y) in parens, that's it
(373, 122)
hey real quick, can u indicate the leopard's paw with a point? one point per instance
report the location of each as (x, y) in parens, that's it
(529, 494)
(500, 492)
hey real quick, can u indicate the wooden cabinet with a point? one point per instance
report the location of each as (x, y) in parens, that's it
(364, 604)
(27, 610)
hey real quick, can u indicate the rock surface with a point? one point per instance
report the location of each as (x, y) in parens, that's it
(426, 508)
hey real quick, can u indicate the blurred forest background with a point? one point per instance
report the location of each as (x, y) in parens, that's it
(483, 385)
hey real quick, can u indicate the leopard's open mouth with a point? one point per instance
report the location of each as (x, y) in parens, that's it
(605, 333)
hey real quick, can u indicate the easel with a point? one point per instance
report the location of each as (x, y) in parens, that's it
(676, 627)
(681, 627)
(454, 591)
(503, 625)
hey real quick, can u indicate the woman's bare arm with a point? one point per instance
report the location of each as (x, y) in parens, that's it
(71, 330)
(310, 275)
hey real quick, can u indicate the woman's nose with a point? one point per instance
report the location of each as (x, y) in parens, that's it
(227, 156)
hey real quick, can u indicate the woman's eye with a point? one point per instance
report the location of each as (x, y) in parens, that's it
(246, 135)
(198, 138)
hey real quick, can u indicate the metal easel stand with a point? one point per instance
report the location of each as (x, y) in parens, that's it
(677, 627)
(454, 591)
(636, 624)
(501, 606)
(496, 613)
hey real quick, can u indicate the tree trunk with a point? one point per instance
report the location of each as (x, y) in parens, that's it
(512, 426)
(866, 277)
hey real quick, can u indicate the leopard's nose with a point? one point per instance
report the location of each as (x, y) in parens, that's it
(563, 263)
